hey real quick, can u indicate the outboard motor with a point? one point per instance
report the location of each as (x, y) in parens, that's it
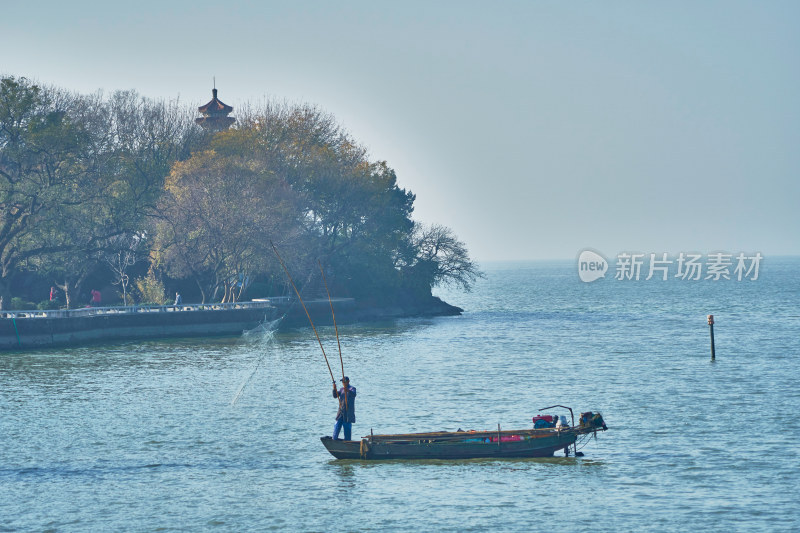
(594, 420)
(598, 422)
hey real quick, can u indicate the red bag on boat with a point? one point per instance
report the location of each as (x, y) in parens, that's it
(543, 421)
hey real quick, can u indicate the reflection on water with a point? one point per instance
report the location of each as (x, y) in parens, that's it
(345, 472)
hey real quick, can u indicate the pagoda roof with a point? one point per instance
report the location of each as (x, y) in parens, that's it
(215, 106)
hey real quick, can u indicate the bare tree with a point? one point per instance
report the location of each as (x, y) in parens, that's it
(123, 253)
(443, 258)
(216, 216)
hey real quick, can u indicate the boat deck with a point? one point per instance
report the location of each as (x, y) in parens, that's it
(458, 445)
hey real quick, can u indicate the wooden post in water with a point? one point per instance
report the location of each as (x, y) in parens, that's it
(711, 329)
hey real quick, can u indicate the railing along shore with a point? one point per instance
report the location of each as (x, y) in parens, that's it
(136, 309)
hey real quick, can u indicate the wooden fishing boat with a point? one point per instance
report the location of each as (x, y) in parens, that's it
(542, 442)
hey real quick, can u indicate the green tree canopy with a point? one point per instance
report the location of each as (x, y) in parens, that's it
(45, 166)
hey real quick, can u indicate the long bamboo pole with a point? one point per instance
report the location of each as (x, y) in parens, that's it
(339, 344)
(333, 315)
(304, 309)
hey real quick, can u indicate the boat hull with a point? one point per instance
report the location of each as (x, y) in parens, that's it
(543, 446)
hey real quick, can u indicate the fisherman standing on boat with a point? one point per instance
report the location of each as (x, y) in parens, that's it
(346, 416)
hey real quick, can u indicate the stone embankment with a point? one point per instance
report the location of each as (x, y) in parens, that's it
(21, 330)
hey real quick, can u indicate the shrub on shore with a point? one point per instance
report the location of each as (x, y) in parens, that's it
(20, 304)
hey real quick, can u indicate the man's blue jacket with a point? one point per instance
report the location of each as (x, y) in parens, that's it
(348, 411)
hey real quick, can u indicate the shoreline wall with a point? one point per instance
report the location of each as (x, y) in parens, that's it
(21, 330)
(30, 332)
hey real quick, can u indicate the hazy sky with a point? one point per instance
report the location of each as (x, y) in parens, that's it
(533, 129)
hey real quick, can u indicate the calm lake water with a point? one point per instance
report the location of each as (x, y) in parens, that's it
(146, 436)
